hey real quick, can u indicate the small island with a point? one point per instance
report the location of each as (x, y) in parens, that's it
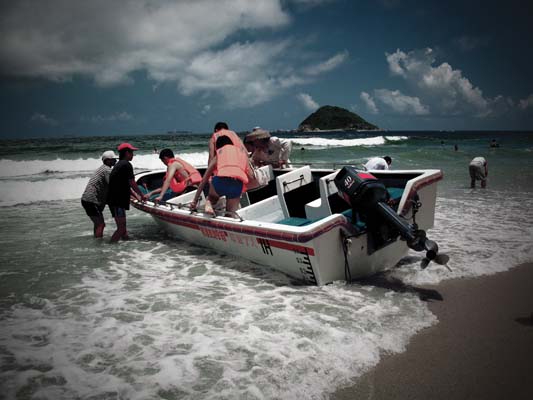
(331, 118)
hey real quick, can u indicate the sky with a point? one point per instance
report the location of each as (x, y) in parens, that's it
(99, 67)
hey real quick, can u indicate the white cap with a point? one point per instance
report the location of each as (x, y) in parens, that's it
(109, 154)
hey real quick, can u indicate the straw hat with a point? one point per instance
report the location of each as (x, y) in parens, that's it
(258, 134)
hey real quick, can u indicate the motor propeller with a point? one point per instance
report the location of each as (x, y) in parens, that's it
(432, 254)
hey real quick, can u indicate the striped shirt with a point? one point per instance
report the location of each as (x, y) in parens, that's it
(96, 189)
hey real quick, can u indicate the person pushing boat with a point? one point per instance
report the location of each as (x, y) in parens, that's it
(121, 186)
(95, 195)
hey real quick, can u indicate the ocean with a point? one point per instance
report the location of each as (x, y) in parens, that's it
(157, 318)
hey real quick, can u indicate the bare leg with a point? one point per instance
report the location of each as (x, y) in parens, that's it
(483, 184)
(121, 232)
(232, 205)
(212, 198)
(98, 226)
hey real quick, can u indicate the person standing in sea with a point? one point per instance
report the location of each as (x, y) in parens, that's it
(378, 163)
(479, 170)
(95, 195)
(121, 186)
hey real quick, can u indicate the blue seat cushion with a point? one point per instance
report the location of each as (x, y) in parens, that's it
(295, 221)
(395, 193)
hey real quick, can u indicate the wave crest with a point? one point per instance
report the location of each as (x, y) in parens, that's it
(323, 142)
(14, 168)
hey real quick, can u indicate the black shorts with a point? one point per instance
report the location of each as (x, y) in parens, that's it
(117, 211)
(93, 209)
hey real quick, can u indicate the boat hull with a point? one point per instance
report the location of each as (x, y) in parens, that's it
(327, 250)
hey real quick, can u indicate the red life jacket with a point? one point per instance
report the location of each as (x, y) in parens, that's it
(179, 181)
(232, 162)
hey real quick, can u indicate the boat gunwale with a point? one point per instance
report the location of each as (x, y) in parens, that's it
(299, 234)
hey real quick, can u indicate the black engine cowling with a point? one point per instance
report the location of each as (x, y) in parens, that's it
(368, 198)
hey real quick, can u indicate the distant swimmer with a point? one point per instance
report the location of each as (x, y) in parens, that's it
(378, 163)
(269, 150)
(479, 171)
(94, 197)
(455, 147)
(494, 143)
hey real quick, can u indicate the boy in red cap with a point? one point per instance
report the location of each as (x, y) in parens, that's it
(121, 186)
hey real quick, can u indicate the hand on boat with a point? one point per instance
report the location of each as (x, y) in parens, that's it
(193, 204)
(158, 199)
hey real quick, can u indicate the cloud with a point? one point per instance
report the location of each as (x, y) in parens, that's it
(118, 116)
(244, 72)
(401, 103)
(444, 88)
(307, 101)
(309, 3)
(43, 119)
(328, 65)
(206, 109)
(369, 102)
(192, 43)
(526, 103)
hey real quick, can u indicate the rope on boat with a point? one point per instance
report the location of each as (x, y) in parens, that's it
(346, 241)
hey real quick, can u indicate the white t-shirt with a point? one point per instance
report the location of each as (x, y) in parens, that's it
(376, 163)
(479, 161)
(278, 151)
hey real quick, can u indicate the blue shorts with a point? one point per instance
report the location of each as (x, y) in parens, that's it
(225, 186)
(117, 211)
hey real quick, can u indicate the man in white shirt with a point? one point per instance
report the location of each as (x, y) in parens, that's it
(378, 163)
(479, 171)
(269, 149)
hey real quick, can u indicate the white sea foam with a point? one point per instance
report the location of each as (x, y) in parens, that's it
(324, 142)
(483, 232)
(25, 192)
(160, 322)
(13, 168)
(151, 161)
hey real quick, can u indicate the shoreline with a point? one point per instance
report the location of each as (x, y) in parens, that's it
(481, 348)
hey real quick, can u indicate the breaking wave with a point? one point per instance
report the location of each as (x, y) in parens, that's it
(22, 168)
(323, 142)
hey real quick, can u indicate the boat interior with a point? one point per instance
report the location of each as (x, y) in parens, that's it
(295, 197)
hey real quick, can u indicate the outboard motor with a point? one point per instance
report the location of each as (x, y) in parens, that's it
(368, 198)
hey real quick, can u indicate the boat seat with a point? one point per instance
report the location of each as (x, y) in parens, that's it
(186, 198)
(321, 207)
(295, 221)
(292, 188)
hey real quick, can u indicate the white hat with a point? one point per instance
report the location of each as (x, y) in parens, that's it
(255, 128)
(109, 154)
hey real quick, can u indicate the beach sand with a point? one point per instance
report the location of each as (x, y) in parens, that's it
(481, 348)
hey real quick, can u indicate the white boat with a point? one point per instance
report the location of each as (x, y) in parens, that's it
(299, 224)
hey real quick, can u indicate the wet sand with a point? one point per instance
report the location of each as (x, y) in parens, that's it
(481, 348)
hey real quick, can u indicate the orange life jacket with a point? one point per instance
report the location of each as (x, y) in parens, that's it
(236, 140)
(179, 181)
(232, 162)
